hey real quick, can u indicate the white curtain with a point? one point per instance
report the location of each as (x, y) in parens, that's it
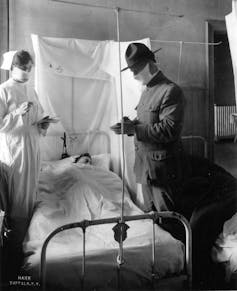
(78, 81)
(231, 25)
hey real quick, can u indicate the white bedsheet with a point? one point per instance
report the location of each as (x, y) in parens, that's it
(73, 192)
(225, 249)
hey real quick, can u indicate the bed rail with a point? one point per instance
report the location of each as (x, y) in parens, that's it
(54, 145)
(154, 216)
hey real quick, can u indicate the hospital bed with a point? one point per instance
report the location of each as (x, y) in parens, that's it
(77, 239)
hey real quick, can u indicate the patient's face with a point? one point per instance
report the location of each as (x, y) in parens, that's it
(85, 160)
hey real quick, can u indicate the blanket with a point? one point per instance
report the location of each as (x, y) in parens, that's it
(70, 192)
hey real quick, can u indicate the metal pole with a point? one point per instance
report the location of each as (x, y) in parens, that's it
(186, 42)
(83, 273)
(112, 8)
(153, 253)
(120, 258)
(180, 60)
(121, 108)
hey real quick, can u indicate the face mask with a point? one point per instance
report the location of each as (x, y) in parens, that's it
(20, 75)
(144, 76)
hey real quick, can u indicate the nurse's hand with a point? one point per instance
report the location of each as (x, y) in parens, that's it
(24, 108)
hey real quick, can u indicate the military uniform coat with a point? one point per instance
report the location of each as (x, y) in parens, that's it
(160, 116)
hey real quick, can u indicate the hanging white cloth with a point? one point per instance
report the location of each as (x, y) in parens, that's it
(78, 81)
(231, 25)
(72, 86)
(131, 92)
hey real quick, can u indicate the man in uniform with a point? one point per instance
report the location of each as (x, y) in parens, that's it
(157, 130)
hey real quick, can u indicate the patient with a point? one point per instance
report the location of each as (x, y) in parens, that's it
(207, 200)
(84, 158)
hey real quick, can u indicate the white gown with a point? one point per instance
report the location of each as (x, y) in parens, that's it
(19, 149)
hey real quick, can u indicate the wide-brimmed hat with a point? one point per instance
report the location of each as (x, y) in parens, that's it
(137, 53)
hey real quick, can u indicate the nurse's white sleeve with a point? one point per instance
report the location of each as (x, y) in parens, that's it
(7, 120)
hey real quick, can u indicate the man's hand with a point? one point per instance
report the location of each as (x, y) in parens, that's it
(128, 127)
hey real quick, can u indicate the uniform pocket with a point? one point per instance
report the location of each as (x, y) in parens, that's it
(149, 115)
(158, 155)
(163, 169)
(152, 116)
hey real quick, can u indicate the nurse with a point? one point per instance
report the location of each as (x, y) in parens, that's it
(19, 142)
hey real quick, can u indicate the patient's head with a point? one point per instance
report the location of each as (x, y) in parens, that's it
(84, 159)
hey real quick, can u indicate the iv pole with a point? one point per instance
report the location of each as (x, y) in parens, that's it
(121, 226)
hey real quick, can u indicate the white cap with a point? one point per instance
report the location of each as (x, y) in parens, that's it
(7, 60)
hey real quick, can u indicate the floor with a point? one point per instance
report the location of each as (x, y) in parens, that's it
(226, 155)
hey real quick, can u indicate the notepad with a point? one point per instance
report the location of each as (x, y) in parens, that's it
(48, 119)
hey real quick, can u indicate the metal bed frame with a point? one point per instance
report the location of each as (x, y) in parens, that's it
(154, 217)
(65, 143)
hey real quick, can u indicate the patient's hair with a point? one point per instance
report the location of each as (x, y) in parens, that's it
(82, 155)
(21, 58)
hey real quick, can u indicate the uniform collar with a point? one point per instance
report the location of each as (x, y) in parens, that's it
(156, 79)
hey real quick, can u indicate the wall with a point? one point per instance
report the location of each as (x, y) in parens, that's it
(224, 91)
(170, 20)
(3, 33)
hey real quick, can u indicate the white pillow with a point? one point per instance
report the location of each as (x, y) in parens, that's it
(102, 161)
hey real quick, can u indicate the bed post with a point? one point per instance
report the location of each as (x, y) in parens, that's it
(83, 273)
